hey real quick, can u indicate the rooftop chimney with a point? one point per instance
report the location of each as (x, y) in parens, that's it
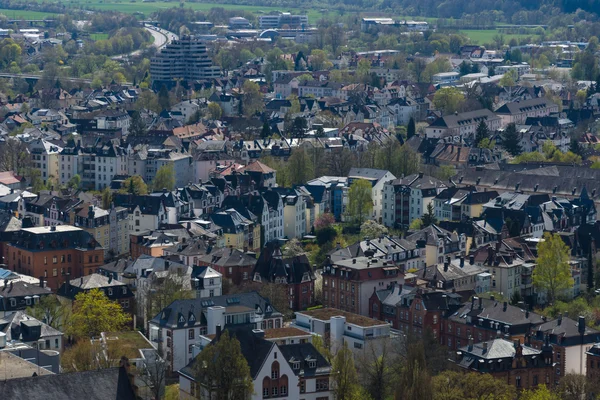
(485, 347)
(581, 325)
(504, 306)
(462, 262)
(472, 259)
(470, 348)
(218, 333)
(559, 321)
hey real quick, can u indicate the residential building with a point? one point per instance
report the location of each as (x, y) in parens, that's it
(518, 112)
(294, 212)
(513, 363)
(377, 178)
(336, 190)
(294, 272)
(177, 327)
(23, 328)
(407, 199)
(185, 58)
(445, 78)
(55, 253)
(570, 340)
(207, 282)
(110, 228)
(292, 371)
(268, 207)
(437, 243)
(358, 332)
(454, 274)
(593, 362)
(146, 213)
(348, 284)
(239, 231)
(152, 243)
(44, 155)
(113, 289)
(233, 264)
(16, 295)
(462, 124)
(481, 319)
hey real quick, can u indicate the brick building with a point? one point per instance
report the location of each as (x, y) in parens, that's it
(56, 253)
(233, 264)
(484, 319)
(570, 340)
(348, 284)
(294, 272)
(516, 364)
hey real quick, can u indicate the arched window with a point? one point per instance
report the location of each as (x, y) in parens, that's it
(266, 387)
(275, 370)
(283, 385)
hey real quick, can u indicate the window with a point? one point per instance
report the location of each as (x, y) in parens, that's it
(190, 334)
(62, 259)
(211, 293)
(302, 386)
(190, 348)
(124, 289)
(13, 302)
(125, 304)
(274, 391)
(312, 364)
(110, 292)
(265, 392)
(45, 260)
(54, 260)
(68, 258)
(56, 345)
(275, 370)
(55, 272)
(357, 345)
(518, 381)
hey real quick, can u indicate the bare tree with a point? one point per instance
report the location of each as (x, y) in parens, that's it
(153, 374)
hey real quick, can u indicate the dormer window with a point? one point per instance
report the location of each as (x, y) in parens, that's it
(312, 364)
(296, 365)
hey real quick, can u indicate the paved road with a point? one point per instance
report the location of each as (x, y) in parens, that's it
(162, 37)
(37, 77)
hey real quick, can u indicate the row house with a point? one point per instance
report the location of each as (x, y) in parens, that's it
(109, 227)
(463, 125)
(403, 253)
(268, 207)
(407, 199)
(348, 284)
(294, 211)
(518, 112)
(239, 232)
(438, 243)
(113, 289)
(45, 156)
(454, 274)
(378, 179)
(203, 198)
(146, 213)
(457, 204)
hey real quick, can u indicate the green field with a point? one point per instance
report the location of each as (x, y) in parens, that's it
(24, 14)
(98, 36)
(486, 36)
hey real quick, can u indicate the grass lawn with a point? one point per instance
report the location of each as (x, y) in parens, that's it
(128, 341)
(486, 36)
(98, 36)
(24, 14)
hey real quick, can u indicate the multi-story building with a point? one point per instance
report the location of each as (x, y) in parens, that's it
(21, 327)
(348, 284)
(113, 289)
(294, 212)
(268, 207)
(177, 327)
(514, 363)
(239, 231)
(437, 243)
(291, 371)
(463, 125)
(18, 295)
(55, 253)
(335, 190)
(281, 19)
(377, 178)
(407, 199)
(233, 264)
(110, 228)
(185, 58)
(357, 331)
(454, 274)
(570, 339)
(518, 112)
(44, 155)
(294, 272)
(146, 213)
(482, 319)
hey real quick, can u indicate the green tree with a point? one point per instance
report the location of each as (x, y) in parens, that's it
(215, 111)
(164, 99)
(509, 79)
(414, 379)
(372, 229)
(162, 293)
(222, 370)
(456, 385)
(416, 224)
(345, 379)
(252, 99)
(93, 313)
(511, 140)
(165, 178)
(448, 100)
(360, 202)
(552, 273)
(299, 127)
(50, 311)
(74, 182)
(411, 129)
(481, 133)
(539, 393)
(137, 126)
(300, 167)
(106, 198)
(319, 61)
(429, 217)
(134, 185)
(575, 147)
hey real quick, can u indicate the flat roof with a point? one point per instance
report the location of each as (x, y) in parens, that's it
(277, 333)
(47, 229)
(12, 367)
(325, 314)
(128, 342)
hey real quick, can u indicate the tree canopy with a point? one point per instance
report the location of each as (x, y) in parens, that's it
(552, 273)
(360, 202)
(93, 313)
